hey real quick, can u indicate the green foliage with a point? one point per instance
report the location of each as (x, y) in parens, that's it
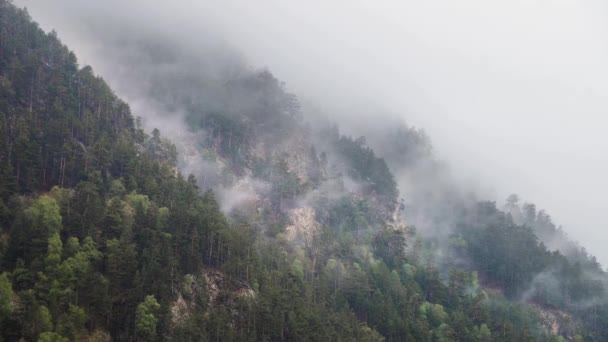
(44, 215)
(389, 245)
(101, 239)
(6, 296)
(43, 320)
(145, 319)
(482, 333)
(52, 337)
(71, 324)
(365, 166)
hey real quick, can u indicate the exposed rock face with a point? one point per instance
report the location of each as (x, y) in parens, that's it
(556, 322)
(245, 293)
(246, 195)
(296, 151)
(205, 290)
(179, 310)
(191, 293)
(215, 282)
(304, 227)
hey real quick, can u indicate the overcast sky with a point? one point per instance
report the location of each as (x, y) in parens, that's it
(514, 94)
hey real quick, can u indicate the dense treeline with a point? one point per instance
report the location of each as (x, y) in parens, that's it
(94, 215)
(103, 239)
(511, 257)
(365, 167)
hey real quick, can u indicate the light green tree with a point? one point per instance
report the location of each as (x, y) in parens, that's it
(53, 258)
(145, 319)
(43, 320)
(43, 220)
(482, 333)
(45, 214)
(71, 324)
(6, 295)
(52, 337)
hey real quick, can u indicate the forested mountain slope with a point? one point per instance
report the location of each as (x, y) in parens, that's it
(103, 238)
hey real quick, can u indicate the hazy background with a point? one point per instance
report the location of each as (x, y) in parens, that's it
(514, 94)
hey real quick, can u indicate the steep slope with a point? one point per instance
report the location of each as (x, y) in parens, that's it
(103, 238)
(92, 208)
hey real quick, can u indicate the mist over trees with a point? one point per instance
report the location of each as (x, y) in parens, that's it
(289, 229)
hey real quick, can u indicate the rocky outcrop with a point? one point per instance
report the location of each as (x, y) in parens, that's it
(556, 322)
(304, 227)
(204, 290)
